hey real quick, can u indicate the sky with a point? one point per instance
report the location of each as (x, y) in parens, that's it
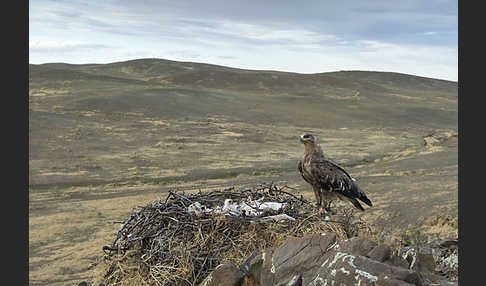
(413, 37)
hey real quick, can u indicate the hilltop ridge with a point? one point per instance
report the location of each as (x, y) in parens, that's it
(343, 95)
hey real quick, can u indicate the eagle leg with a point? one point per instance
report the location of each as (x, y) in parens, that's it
(323, 206)
(328, 208)
(317, 193)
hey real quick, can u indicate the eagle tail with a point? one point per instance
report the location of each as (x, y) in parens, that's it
(357, 204)
(362, 196)
(365, 200)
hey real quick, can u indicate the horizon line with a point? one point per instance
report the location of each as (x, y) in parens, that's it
(243, 69)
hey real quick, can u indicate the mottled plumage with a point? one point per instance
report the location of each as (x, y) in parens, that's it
(327, 178)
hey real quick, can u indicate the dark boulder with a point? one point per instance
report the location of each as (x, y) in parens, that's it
(323, 260)
(227, 274)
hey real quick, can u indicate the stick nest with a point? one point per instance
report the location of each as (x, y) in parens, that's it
(164, 244)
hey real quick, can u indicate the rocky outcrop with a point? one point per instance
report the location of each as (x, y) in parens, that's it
(225, 275)
(323, 260)
(440, 257)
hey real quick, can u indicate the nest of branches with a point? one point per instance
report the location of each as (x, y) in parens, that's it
(180, 240)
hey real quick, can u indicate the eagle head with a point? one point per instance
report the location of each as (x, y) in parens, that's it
(311, 144)
(307, 138)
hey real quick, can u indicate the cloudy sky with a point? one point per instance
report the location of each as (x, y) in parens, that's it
(416, 37)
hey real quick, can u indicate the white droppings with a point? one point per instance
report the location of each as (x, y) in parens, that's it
(336, 257)
(367, 275)
(318, 278)
(293, 280)
(411, 252)
(351, 261)
(452, 261)
(331, 246)
(343, 256)
(273, 267)
(344, 271)
(207, 280)
(263, 257)
(324, 263)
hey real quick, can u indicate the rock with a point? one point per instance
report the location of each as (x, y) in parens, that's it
(380, 253)
(447, 262)
(420, 258)
(299, 256)
(384, 280)
(448, 283)
(322, 259)
(227, 274)
(358, 246)
(432, 259)
(451, 243)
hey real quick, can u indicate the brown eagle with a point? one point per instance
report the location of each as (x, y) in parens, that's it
(327, 178)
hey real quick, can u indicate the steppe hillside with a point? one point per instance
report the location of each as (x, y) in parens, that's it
(106, 138)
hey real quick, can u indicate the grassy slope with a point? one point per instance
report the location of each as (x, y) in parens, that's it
(107, 138)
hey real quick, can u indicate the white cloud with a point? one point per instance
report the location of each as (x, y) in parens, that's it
(60, 46)
(109, 32)
(51, 44)
(268, 34)
(420, 60)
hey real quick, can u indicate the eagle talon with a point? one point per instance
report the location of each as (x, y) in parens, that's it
(322, 211)
(329, 210)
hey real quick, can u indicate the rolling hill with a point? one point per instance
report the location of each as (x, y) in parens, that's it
(104, 138)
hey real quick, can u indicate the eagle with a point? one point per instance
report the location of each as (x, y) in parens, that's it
(328, 180)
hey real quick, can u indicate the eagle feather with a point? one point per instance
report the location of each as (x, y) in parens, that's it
(327, 178)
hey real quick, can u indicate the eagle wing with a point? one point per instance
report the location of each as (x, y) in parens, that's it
(334, 178)
(331, 161)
